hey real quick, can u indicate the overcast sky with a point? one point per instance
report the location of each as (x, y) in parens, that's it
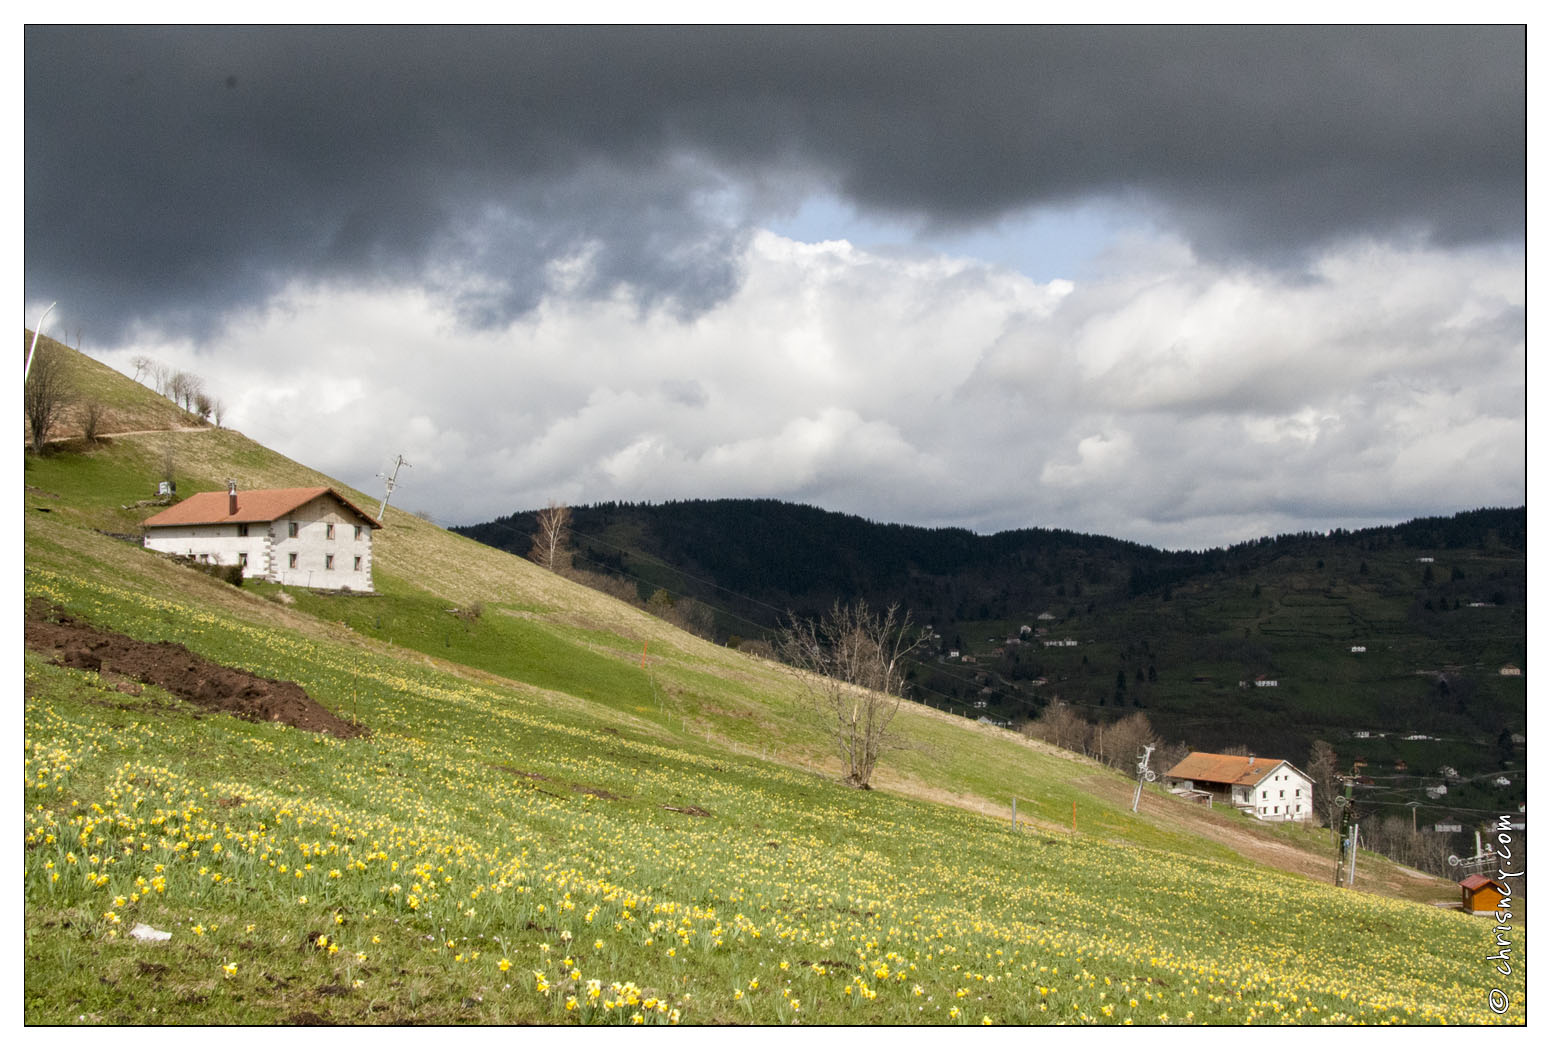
(1181, 286)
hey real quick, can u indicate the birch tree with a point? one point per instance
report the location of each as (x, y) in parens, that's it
(554, 531)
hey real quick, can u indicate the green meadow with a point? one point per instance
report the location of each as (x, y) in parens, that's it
(567, 811)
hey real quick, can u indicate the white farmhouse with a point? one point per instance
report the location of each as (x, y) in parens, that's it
(1269, 789)
(310, 537)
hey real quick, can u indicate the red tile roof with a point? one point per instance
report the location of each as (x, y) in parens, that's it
(1224, 769)
(253, 505)
(1475, 882)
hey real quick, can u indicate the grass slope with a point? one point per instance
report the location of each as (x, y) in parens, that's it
(541, 829)
(1179, 635)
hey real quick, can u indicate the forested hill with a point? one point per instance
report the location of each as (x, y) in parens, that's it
(1398, 644)
(793, 556)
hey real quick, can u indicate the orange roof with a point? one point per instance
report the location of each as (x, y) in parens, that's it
(1224, 769)
(1474, 883)
(253, 505)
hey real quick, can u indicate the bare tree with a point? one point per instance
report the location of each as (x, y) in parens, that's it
(1322, 771)
(204, 404)
(161, 375)
(1169, 755)
(1060, 725)
(143, 363)
(218, 410)
(45, 394)
(92, 414)
(550, 541)
(695, 618)
(851, 664)
(1126, 738)
(184, 388)
(178, 386)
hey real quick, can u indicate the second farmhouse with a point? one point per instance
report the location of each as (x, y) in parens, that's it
(1269, 789)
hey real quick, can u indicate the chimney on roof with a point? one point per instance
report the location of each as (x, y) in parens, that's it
(231, 498)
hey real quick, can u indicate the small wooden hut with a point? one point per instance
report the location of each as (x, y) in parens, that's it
(1480, 895)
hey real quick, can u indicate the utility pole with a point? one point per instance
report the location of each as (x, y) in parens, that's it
(1413, 806)
(1346, 858)
(393, 481)
(1344, 836)
(1143, 774)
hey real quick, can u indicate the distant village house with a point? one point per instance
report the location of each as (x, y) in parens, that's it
(308, 537)
(1268, 789)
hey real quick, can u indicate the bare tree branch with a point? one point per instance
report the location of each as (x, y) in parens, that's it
(851, 664)
(45, 394)
(92, 415)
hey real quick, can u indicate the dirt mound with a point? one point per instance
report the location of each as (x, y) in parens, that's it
(214, 687)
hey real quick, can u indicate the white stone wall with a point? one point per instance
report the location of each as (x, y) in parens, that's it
(343, 560)
(220, 544)
(313, 548)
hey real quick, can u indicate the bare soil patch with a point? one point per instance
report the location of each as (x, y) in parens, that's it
(213, 687)
(692, 811)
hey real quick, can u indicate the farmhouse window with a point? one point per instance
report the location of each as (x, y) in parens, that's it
(292, 558)
(294, 528)
(242, 559)
(358, 532)
(328, 561)
(242, 530)
(358, 563)
(329, 534)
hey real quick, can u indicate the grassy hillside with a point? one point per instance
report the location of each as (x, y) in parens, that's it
(544, 825)
(124, 406)
(1438, 606)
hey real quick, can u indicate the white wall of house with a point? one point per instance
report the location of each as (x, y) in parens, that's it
(314, 558)
(332, 548)
(1283, 795)
(223, 545)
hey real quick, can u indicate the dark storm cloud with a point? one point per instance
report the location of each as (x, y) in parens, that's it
(177, 171)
